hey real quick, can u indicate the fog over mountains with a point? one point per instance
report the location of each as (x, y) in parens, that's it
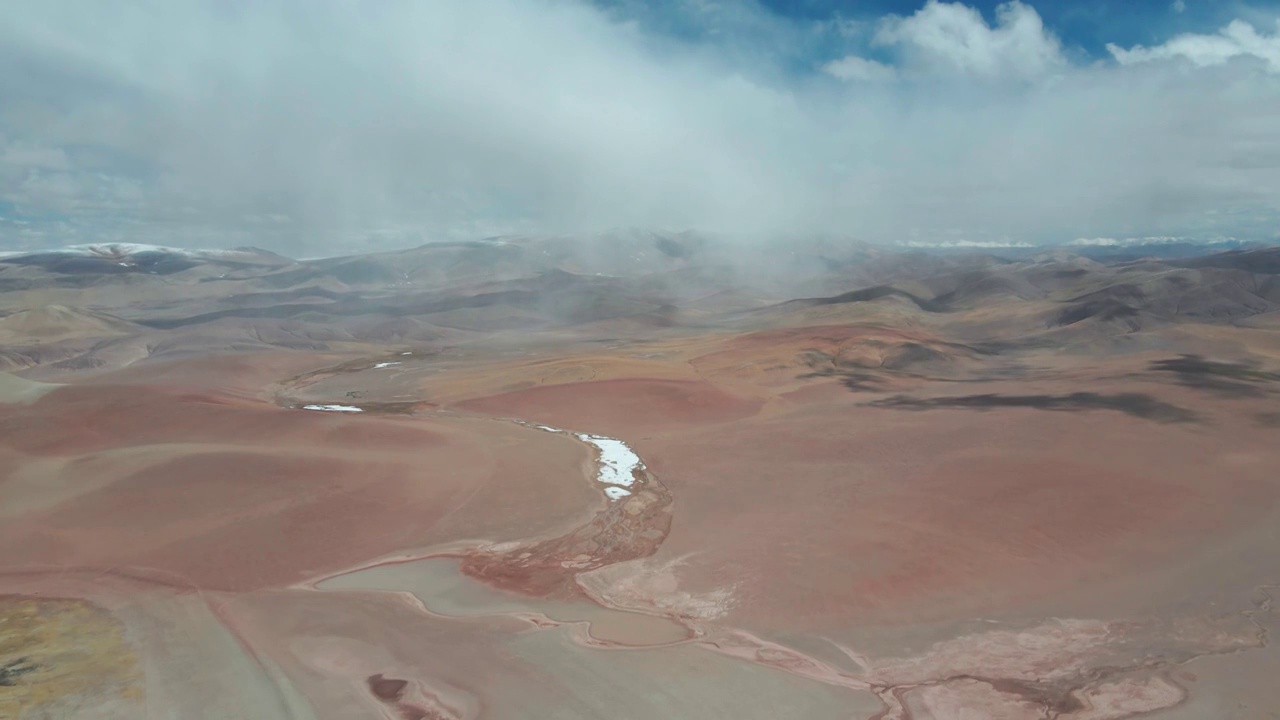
(102, 304)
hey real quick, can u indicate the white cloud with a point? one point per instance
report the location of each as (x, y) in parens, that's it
(1237, 39)
(854, 68)
(1140, 241)
(842, 26)
(372, 124)
(31, 157)
(1178, 6)
(955, 37)
(1124, 242)
(964, 244)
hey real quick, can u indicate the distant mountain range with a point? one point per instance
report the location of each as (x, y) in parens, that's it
(109, 305)
(134, 257)
(1097, 248)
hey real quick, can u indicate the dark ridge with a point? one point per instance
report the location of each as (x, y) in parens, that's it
(262, 253)
(80, 280)
(259, 298)
(670, 248)
(16, 284)
(568, 297)
(391, 268)
(860, 382)
(853, 380)
(1100, 309)
(978, 285)
(290, 277)
(912, 354)
(1002, 347)
(151, 262)
(1265, 261)
(82, 362)
(1135, 404)
(1122, 292)
(882, 291)
(865, 295)
(361, 271)
(1158, 251)
(71, 264)
(1225, 378)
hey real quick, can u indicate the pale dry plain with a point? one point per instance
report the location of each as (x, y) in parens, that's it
(1035, 489)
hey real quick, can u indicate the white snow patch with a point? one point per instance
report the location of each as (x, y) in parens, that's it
(384, 364)
(333, 408)
(1150, 240)
(407, 353)
(617, 461)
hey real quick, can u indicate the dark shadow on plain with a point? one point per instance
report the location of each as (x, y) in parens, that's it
(860, 382)
(1269, 419)
(13, 670)
(851, 379)
(1236, 380)
(1135, 404)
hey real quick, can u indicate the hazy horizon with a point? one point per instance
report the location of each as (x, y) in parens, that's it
(587, 240)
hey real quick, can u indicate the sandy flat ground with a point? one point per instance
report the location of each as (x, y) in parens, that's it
(1086, 539)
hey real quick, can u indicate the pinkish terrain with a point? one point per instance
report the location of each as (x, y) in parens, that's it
(944, 493)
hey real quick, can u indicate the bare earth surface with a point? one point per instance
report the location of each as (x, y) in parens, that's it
(1027, 489)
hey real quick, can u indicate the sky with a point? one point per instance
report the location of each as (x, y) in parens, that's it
(307, 126)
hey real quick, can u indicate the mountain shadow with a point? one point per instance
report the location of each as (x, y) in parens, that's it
(1134, 404)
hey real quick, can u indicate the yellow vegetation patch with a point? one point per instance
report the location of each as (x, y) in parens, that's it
(57, 654)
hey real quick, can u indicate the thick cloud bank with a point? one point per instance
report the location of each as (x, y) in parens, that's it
(306, 126)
